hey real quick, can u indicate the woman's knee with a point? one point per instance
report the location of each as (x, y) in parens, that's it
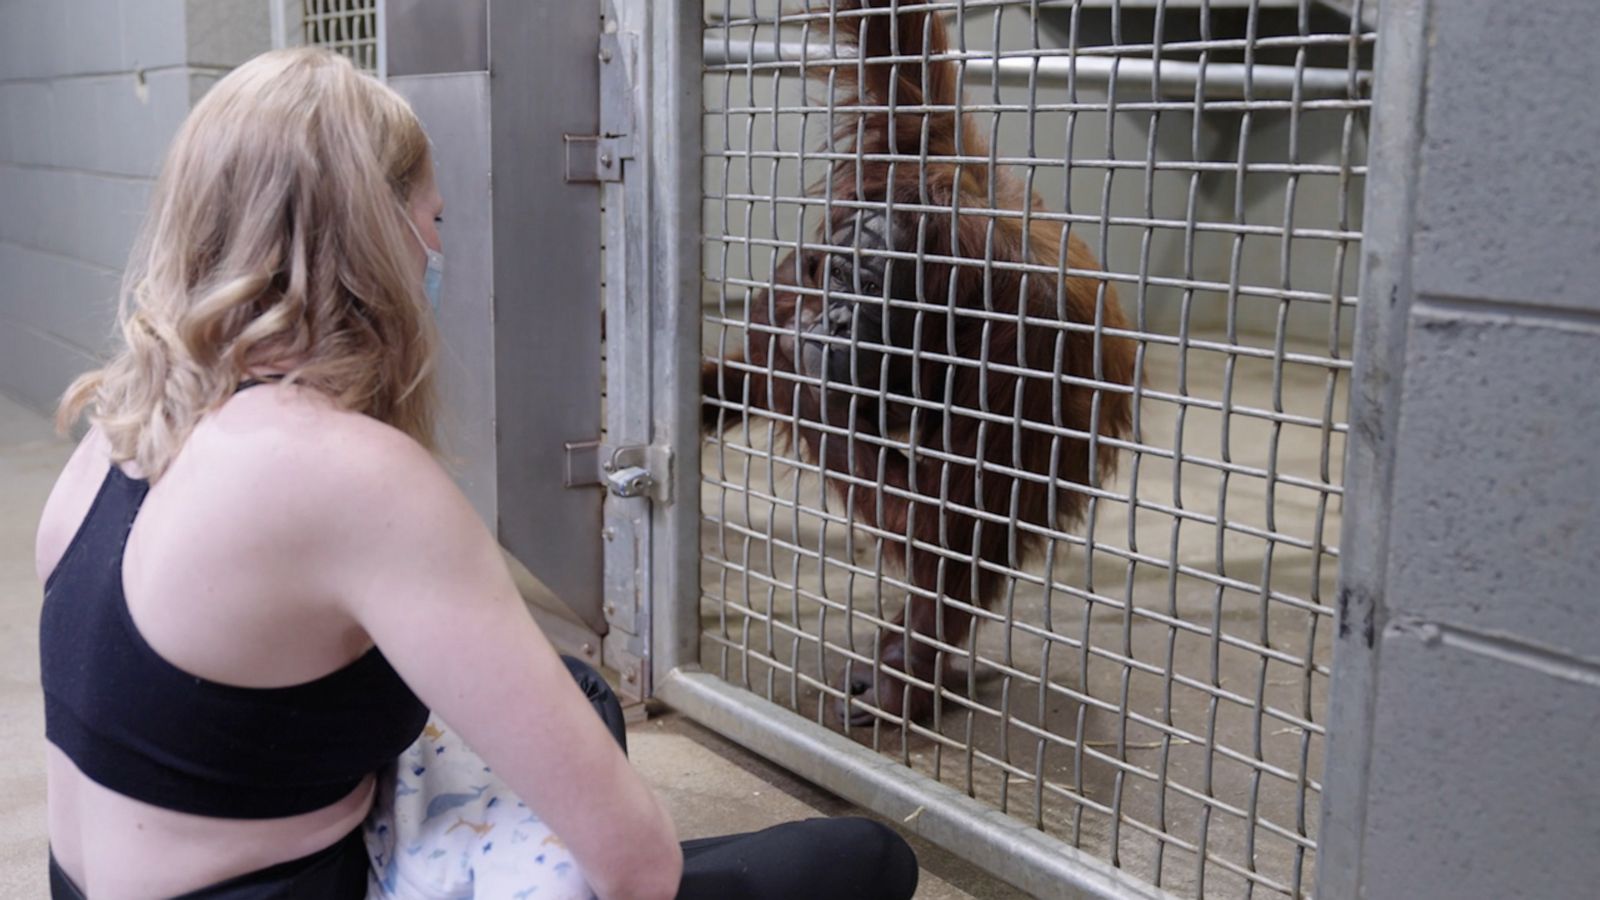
(894, 854)
(878, 848)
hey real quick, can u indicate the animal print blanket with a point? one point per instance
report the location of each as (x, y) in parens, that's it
(444, 827)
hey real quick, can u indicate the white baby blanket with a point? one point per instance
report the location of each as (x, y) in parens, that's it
(445, 828)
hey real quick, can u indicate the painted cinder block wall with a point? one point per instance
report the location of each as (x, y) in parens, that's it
(91, 92)
(1464, 737)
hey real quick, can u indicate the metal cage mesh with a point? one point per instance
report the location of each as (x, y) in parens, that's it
(1150, 685)
(347, 26)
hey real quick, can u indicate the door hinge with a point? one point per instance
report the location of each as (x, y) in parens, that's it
(594, 158)
(582, 464)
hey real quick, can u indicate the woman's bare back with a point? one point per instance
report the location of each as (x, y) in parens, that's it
(210, 591)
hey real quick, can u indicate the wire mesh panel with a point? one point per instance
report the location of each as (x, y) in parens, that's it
(1026, 339)
(347, 26)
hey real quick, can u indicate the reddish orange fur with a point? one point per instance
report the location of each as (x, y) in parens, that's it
(943, 466)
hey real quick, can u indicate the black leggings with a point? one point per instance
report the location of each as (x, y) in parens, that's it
(843, 858)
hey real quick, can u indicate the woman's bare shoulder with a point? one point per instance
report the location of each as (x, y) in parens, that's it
(352, 501)
(316, 462)
(294, 431)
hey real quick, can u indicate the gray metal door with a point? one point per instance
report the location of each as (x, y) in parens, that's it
(521, 319)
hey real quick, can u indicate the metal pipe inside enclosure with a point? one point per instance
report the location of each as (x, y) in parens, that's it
(1009, 848)
(1177, 78)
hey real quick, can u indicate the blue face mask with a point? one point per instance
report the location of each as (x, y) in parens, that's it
(433, 279)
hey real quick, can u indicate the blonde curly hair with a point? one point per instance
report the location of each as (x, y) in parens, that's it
(276, 238)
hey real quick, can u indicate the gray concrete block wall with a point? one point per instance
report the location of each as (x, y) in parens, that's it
(1496, 474)
(1484, 776)
(1510, 166)
(1465, 715)
(91, 93)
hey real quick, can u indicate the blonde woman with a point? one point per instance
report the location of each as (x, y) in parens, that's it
(255, 596)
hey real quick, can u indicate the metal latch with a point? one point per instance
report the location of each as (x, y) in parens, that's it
(592, 158)
(634, 471)
(627, 471)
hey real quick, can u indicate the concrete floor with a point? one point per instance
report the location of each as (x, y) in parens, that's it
(710, 785)
(1182, 640)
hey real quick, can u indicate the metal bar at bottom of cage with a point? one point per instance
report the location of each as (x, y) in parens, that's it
(1006, 847)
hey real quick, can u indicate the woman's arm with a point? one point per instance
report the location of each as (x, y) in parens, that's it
(423, 576)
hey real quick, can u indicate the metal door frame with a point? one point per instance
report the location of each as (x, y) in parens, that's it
(519, 395)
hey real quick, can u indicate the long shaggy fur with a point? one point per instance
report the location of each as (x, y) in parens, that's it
(857, 344)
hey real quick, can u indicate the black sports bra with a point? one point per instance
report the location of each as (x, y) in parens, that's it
(146, 729)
